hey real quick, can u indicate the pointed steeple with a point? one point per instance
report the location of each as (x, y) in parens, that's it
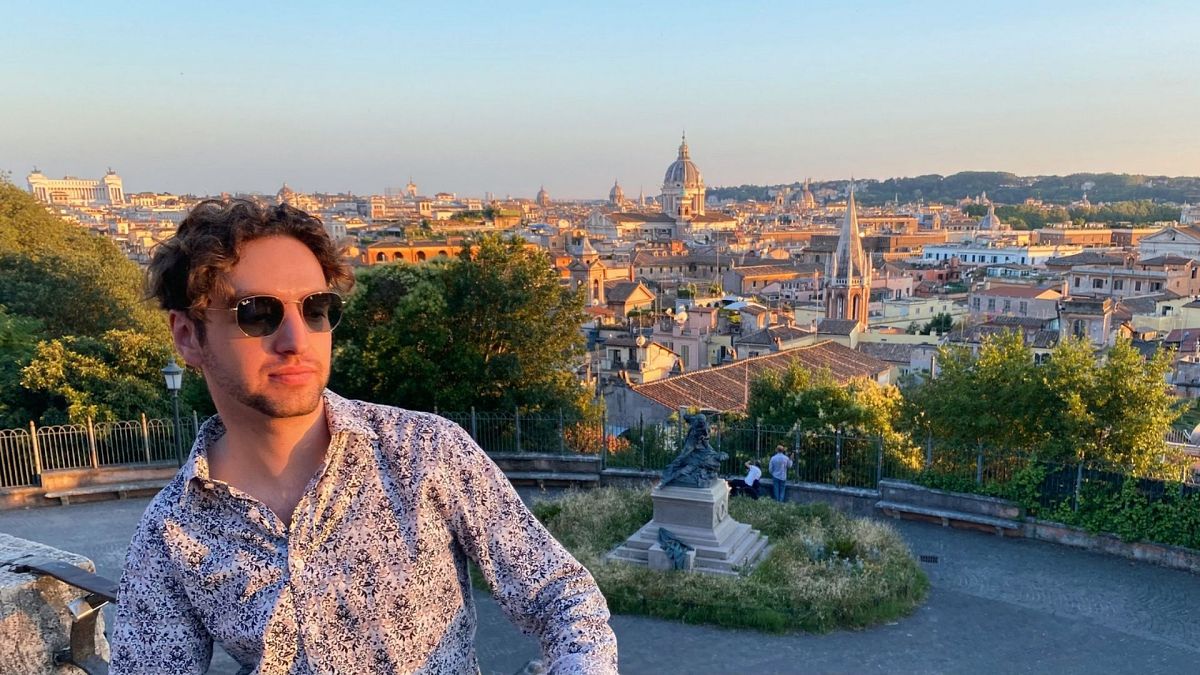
(683, 148)
(849, 263)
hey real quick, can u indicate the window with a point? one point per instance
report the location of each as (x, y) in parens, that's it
(1023, 308)
(1097, 283)
(976, 303)
(1118, 284)
(1007, 304)
(1079, 328)
(1156, 285)
(1076, 282)
(991, 304)
(1137, 285)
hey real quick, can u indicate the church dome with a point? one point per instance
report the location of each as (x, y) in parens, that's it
(543, 197)
(285, 194)
(683, 170)
(616, 195)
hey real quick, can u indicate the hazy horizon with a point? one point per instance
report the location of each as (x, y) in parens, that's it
(505, 98)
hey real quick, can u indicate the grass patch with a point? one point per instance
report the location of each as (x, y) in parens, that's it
(826, 571)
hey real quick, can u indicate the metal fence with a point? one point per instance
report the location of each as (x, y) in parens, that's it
(27, 453)
(852, 460)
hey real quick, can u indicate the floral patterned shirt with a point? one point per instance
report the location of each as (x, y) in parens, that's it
(371, 575)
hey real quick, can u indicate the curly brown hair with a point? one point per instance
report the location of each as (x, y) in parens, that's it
(188, 271)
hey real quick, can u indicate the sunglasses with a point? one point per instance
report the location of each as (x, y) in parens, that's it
(261, 315)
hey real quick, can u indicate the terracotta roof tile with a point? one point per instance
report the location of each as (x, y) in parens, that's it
(725, 388)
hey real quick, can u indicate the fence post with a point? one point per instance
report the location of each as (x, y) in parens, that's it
(642, 427)
(758, 437)
(979, 465)
(517, 417)
(928, 450)
(37, 451)
(1078, 485)
(92, 444)
(562, 439)
(837, 451)
(878, 460)
(146, 437)
(474, 430)
(195, 426)
(603, 438)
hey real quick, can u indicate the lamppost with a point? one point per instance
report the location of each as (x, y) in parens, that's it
(173, 374)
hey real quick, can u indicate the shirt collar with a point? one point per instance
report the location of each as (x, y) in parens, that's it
(342, 415)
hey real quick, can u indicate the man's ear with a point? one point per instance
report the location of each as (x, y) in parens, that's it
(186, 336)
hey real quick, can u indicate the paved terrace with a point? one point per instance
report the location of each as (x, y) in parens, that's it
(997, 606)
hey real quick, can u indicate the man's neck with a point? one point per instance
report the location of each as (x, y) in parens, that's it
(273, 444)
(271, 459)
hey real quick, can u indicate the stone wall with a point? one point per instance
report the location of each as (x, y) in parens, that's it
(34, 619)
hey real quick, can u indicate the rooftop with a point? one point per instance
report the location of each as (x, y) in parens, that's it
(726, 388)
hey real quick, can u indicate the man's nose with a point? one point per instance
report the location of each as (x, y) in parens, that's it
(293, 334)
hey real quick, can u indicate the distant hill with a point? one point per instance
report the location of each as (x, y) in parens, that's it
(1003, 187)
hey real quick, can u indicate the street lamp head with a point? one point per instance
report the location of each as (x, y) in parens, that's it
(173, 374)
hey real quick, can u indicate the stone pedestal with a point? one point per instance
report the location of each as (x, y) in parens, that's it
(699, 517)
(34, 619)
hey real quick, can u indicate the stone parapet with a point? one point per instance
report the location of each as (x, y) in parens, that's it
(35, 621)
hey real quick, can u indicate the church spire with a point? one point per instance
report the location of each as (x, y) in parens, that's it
(848, 273)
(848, 262)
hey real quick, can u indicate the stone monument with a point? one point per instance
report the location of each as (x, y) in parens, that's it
(691, 528)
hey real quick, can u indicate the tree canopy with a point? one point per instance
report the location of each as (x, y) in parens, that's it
(76, 339)
(816, 402)
(1112, 410)
(494, 329)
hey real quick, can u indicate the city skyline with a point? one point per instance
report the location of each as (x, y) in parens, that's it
(476, 99)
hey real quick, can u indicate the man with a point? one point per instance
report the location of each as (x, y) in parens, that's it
(310, 533)
(753, 474)
(749, 485)
(778, 466)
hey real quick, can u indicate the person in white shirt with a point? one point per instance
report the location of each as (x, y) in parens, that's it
(748, 485)
(778, 466)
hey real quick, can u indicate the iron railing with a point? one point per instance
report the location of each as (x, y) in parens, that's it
(25, 454)
(834, 458)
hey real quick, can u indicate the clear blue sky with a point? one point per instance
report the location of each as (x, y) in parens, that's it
(504, 97)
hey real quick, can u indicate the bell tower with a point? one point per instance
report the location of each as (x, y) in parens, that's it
(848, 272)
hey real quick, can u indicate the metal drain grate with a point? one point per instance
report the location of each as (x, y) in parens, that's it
(928, 558)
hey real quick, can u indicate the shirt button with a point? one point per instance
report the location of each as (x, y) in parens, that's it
(298, 564)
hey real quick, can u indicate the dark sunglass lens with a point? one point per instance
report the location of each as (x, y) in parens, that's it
(322, 311)
(260, 315)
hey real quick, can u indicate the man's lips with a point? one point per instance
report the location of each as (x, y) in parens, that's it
(292, 375)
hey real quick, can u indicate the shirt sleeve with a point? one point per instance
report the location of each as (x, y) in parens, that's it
(537, 583)
(156, 629)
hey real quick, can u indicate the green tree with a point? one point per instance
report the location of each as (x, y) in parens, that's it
(113, 377)
(815, 401)
(942, 323)
(72, 281)
(493, 329)
(76, 338)
(1115, 411)
(995, 399)
(19, 338)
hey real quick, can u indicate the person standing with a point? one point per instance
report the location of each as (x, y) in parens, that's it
(779, 465)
